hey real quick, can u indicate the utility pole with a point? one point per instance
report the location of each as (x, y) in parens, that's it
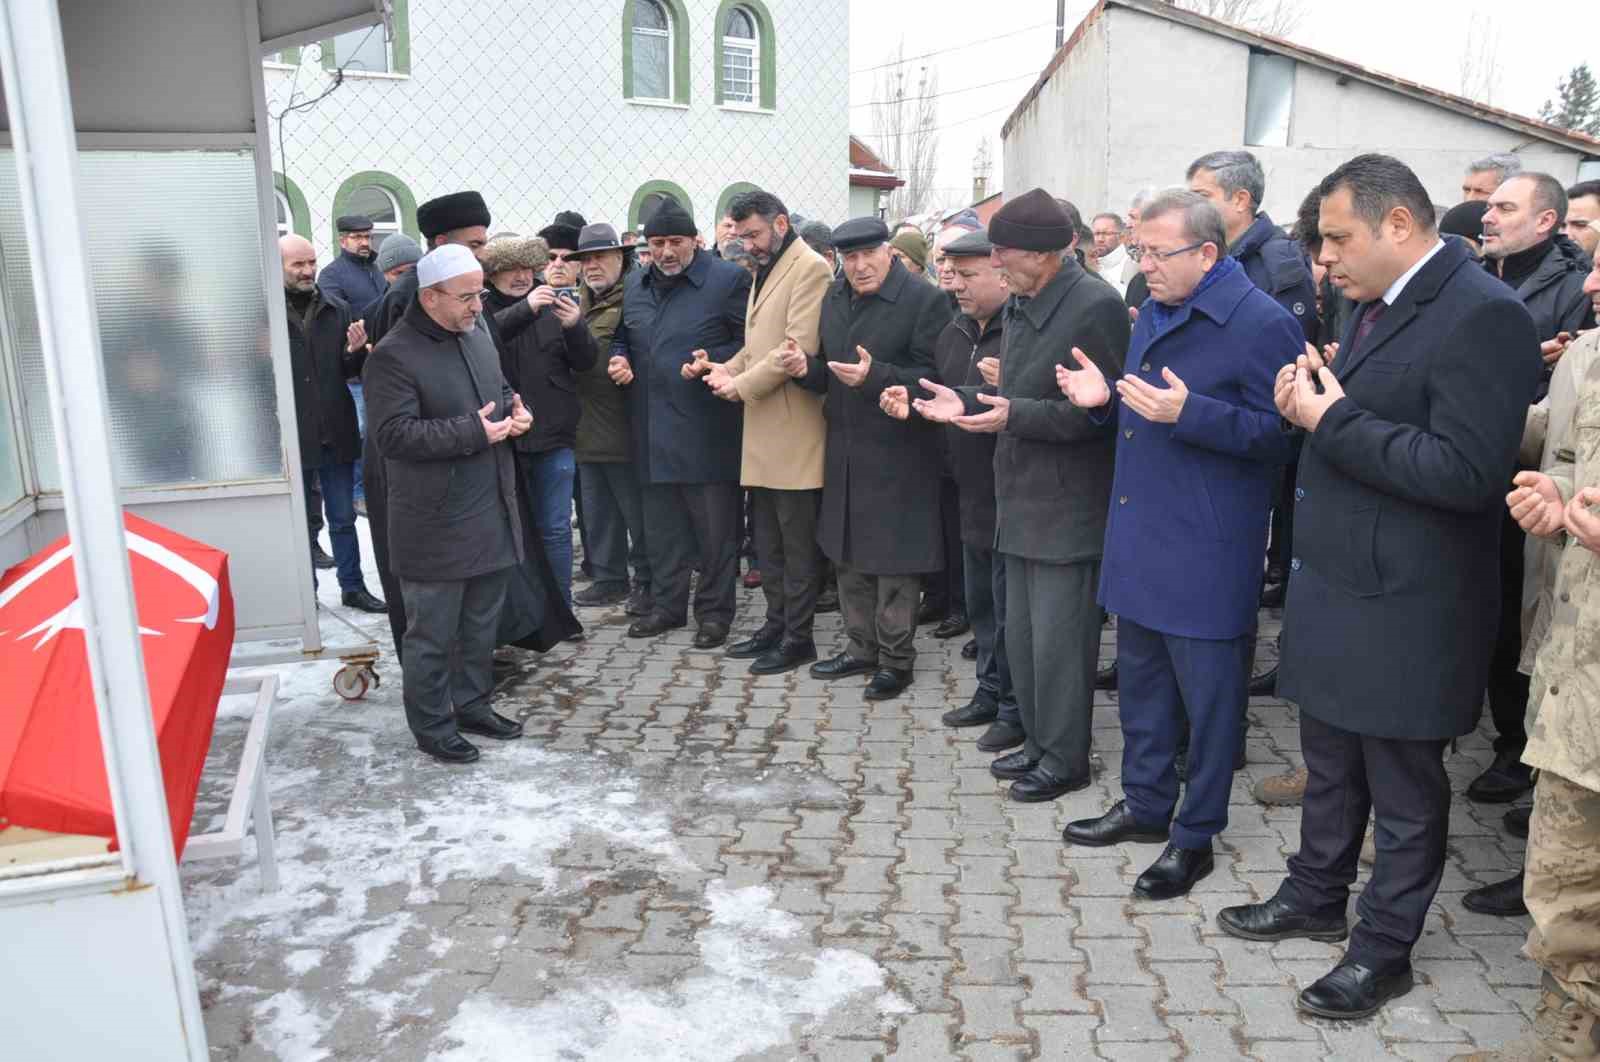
(1061, 23)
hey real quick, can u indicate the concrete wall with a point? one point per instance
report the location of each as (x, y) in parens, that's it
(1176, 93)
(863, 203)
(524, 103)
(1060, 142)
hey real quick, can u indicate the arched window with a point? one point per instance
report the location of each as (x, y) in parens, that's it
(381, 196)
(652, 51)
(745, 53)
(649, 197)
(741, 57)
(285, 214)
(379, 205)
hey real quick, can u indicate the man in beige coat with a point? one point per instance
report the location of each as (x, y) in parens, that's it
(783, 427)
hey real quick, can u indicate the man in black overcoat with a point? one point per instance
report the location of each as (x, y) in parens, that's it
(880, 496)
(1411, 441)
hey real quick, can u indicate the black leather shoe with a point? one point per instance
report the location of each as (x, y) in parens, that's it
(490, 725)
(1106, 677)
(761, 642)
(827, 601)
(710, 635)
(954, 626)
(1516, 821)
(1013, 766)
(888, 683)
(1174, 873)
(786, 656)
(640, 603)
(931, 611)
(842, 666)
(655, 624)
(1502, 899)
(1506, 779)
(601, 595)
(970, 650)
(1265, 684)
(1000, 736)
(362, 601)
(453, 749)
(975, 712)
(1039, 785)
(1351, 991)
(1273, 594)
(320, 558)
(1276, 920)
(1114, 827)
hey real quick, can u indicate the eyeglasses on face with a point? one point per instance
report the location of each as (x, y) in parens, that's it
(471, 297)
(1139, 252)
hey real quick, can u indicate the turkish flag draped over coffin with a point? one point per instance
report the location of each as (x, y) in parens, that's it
(52, 768)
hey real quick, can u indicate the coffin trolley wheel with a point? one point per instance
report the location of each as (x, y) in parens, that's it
(352, 681)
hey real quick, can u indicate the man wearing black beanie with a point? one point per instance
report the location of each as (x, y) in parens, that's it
(687, 306)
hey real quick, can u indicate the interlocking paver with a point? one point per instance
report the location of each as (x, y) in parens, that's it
(716, 834)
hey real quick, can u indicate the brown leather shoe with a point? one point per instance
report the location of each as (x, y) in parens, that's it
(1282, 790)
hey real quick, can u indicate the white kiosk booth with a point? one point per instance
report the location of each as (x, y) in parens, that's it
(143, 364)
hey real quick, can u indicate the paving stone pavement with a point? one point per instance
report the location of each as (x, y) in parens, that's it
(675, 840)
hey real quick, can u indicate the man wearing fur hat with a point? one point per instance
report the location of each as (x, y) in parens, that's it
(688, 306)
(544, 346)
(1053, 469)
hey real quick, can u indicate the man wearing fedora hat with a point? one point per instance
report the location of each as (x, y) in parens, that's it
(608, 485)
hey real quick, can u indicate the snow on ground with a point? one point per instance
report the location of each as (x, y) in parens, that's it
(370, 833)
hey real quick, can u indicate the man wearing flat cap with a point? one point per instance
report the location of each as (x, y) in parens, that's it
(443, 417)
(688, 306)
(880, 492)
(353, 276)
(561, 237)
(969, 345)
(1053, 468)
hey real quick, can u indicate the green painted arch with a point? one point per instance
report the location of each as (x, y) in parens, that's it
(399, 48)
(767, 93)
(389, 183)
(680, 49)
(736, 188)
(299, 210)
(664, 187)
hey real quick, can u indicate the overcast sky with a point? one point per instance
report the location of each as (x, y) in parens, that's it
(1421, 40)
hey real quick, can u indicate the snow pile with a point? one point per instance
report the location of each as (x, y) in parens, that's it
(761, 979)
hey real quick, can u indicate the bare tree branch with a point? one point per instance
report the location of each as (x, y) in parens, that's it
(1275, 18)
(1479, 65)
(905, 115)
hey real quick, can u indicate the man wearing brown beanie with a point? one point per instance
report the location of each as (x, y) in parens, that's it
(1053, 468)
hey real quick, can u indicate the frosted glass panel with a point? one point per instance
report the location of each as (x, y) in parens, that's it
(10, 460)
(173, 243)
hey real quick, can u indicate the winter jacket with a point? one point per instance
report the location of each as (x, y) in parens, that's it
(320, 364)
(603, 436)
(1554, 293)
(541, 360)
(880, 489)
(1279, 266)
(971, 454)
(355, 280)
(682, 433)
(453, 509)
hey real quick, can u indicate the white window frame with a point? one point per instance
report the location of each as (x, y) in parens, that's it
(286, 226)
(387, 228)
(751, 46)
(667, 35)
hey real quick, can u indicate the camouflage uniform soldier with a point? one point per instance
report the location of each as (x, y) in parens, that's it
(1562, 889)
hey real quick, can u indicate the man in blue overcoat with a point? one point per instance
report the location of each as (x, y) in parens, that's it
(1199, 446)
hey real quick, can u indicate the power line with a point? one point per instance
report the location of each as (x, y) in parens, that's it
(953, 48)
(939, 129)
(936, 95)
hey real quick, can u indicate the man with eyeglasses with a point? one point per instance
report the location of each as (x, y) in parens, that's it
(442, 416)
(1199, 448)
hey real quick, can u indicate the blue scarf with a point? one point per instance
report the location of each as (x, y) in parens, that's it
(1162, 315)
